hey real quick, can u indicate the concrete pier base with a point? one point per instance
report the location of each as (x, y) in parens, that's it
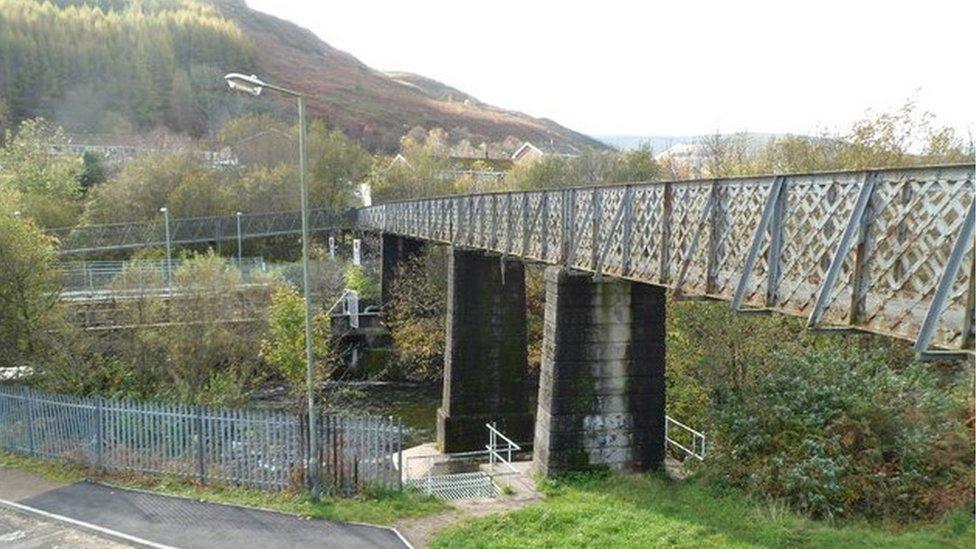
(601, 391)
(485, 357)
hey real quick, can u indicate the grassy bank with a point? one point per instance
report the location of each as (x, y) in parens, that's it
(651, 511)
(378, 508)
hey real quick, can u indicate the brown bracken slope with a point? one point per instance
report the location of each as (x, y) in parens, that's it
(375, 106)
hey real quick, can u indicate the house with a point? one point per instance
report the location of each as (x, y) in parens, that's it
(482, 169)
(530, 152)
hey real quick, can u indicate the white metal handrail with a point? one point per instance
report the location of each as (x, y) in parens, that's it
(698, 439)
(493, 454)
(349, 300)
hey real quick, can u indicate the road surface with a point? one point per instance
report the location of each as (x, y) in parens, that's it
(25, 531)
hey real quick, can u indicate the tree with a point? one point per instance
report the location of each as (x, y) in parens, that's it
(260, 140)
(29, 287)
(46, 184)
(136, 58)
(337, 165)
(416, 316)
(179, 182)
(545, 173)
(93, 172)
(423, 173)
(636, 165)
(284, 348)
(200, 345)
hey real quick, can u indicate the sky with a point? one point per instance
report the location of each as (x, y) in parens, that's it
(682, 67)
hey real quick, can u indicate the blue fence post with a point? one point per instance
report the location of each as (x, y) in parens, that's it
(400, 470)
(201, 469)
(99, 432)
(31, 436)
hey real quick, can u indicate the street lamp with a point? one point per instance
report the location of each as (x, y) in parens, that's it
(253, 85)
(239, 243)
(169, 252)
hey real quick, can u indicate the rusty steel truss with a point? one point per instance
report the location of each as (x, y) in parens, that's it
(887, 251)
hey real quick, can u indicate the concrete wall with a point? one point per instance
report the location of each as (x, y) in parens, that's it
(485, 357)
(601, 392)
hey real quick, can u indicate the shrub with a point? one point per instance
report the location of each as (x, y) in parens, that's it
(199, 346)
(365, 284)
(836, 434)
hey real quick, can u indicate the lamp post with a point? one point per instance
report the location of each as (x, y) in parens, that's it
(169, 252)
(240, 247)
(253, 85)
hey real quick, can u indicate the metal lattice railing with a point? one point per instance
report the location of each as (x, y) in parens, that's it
(887, 251)
(148, 234)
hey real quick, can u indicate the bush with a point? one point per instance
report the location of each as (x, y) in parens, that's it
(836, 434)
(200, 346)
(365, 284)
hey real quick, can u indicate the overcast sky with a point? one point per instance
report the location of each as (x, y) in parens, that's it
(670, 68)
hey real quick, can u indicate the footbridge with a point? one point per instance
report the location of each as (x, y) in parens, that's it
(888, 251)
(191, 230)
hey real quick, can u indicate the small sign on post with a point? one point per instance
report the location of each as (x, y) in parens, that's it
(357, 257)
(352, 307)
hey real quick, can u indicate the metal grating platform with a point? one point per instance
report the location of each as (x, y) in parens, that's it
(457, 486)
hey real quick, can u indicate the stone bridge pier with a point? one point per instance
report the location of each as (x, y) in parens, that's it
(485, 367)
(601, 391)
(601, 388)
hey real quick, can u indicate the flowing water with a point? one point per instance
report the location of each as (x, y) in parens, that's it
(415, 404)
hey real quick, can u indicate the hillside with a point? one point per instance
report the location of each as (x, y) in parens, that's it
(121, 66)
(432, 88)
(372, 104)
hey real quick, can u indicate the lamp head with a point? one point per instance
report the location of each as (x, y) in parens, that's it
(244, 83)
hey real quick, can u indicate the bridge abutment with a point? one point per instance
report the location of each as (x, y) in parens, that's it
(395, 250)
(601, 391)
(485, 357)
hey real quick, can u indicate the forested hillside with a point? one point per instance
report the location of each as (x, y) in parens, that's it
(129, 66)
(117, 67)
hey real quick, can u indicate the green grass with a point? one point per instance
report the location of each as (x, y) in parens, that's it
(379, 507)
(651, 511)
